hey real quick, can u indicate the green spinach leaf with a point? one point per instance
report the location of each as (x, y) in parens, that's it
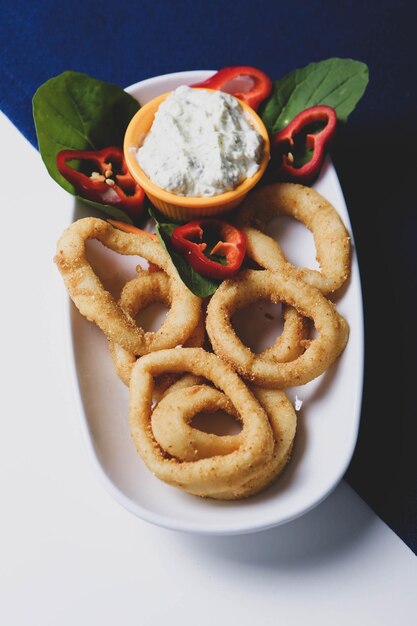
(339, 83)
(200, 285)
(73, 111)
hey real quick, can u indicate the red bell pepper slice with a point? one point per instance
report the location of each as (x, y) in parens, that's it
(261, 84)
(230, 244)
(298, 135)
(103, 178)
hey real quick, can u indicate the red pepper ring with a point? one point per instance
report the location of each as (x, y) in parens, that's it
(260, 89)
(283, 143)
(109, 181)
(231, 245)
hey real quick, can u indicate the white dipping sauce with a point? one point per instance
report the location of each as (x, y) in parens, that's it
(200, 144)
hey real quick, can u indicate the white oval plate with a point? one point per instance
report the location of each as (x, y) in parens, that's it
(328, 420)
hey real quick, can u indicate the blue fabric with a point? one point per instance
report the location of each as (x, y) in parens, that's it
(125, 42)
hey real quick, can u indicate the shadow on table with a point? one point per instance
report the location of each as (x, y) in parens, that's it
(319, 536)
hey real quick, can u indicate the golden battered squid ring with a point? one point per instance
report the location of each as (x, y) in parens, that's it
(171, 423)
(171, 428)
(306, 205)
(251, 286)
(99, 306)
(283, 421)
(293, 339)
(208, 476)
(145, 289)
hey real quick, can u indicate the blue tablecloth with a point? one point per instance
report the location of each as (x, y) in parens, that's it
(125, 42)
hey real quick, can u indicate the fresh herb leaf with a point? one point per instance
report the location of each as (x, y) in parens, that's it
(73, 111)
(339, 83)
(200, 285)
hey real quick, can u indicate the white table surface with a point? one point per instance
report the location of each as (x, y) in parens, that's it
(69, 554)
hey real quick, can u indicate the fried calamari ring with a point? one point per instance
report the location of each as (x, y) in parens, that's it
(293, 339)
(184, 381)
(283, 421)
(99, 306)
(145, 289)
(171, 423)
(316, 213)
(251, 286)
(171, 428)
(210, 475)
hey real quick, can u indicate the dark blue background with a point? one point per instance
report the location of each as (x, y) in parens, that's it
(124, 42)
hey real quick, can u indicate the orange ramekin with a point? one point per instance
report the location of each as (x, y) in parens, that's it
(186, 208)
